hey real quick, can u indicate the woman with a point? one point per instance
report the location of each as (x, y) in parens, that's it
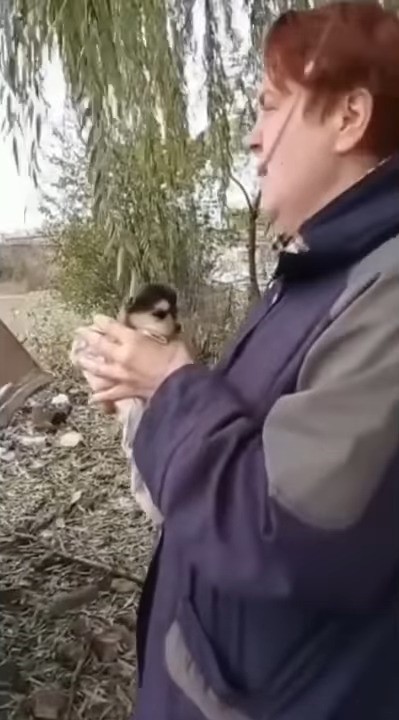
(273, 592)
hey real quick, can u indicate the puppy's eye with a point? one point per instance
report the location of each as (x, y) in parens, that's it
(161, 314)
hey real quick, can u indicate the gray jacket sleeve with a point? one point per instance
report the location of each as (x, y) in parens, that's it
(329, 446)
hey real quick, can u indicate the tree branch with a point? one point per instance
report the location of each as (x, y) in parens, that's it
(243, 190)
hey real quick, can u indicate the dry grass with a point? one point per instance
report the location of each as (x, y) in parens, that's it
(73, 550)
(72, 544)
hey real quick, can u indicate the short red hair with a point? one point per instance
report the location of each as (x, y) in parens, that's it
(354, 44)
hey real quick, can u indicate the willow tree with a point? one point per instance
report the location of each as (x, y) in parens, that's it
(125, 63)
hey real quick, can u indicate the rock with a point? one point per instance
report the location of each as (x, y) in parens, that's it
(70, 439)
(47, 416)
(32, 441)
(61, 402)
(48, 704)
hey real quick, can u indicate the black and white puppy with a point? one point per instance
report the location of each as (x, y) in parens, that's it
(153, 312)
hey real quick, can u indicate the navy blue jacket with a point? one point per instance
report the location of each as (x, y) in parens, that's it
(273, 592)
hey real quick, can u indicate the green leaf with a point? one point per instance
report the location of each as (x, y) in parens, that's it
(38, 128)
(15, 153)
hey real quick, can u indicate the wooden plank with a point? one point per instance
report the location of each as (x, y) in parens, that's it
(20, 375)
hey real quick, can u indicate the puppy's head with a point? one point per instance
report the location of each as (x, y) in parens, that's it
(154, 308)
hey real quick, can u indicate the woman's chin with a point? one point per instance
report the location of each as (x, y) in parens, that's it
(280, 222)
(270, 212)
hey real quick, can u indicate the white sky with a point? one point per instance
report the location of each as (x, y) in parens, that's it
(18, 197)
(19, 200)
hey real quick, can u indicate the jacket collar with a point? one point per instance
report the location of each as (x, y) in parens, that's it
(347, 229)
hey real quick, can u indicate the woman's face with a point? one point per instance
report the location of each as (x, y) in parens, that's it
(297, 159)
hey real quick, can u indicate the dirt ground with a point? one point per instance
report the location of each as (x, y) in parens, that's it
(74, 548)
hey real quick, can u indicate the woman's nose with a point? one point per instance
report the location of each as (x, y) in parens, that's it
(253, 140)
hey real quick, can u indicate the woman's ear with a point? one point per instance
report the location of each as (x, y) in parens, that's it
(354, 113)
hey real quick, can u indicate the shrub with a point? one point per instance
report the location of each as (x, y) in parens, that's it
(85, 274)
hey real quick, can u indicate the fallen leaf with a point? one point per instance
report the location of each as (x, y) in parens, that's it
(106, 645)
(120, 585)
(66, 601)
(76, 497)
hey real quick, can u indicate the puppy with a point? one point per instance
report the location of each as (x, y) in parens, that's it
(154, 312)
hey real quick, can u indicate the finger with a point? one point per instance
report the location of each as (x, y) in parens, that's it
(115, 393)
(84, 329)
(94, 343)
(113, 329)
(95, 383)
(112, 372)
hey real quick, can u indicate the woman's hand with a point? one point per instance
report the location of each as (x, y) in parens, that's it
(78, 351)
(132, 364)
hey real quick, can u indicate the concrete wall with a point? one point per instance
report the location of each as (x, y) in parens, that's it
(27, 263)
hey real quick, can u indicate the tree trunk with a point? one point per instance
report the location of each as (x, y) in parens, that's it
(253, 289)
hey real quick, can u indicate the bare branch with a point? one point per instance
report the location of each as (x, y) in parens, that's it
(243, 190)
(256, 204)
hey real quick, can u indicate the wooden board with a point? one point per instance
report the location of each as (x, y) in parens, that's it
(20, 375)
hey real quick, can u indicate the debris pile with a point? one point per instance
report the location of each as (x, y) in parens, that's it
(73, 552)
